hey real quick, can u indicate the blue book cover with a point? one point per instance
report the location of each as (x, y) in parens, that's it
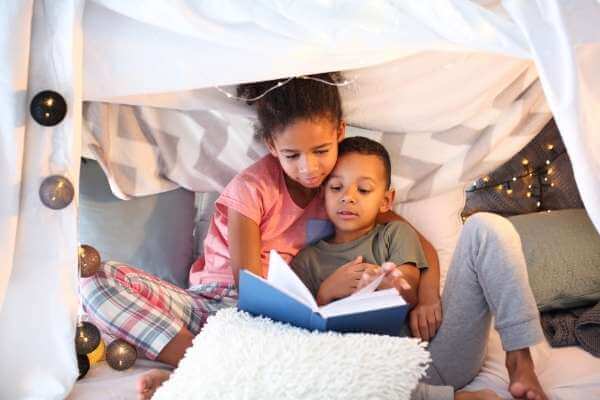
(283, 297)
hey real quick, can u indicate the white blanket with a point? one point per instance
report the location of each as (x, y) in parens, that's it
(238, 356)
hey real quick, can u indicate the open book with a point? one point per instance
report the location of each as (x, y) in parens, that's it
(283, 297)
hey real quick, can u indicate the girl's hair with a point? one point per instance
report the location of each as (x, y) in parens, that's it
(298, 99)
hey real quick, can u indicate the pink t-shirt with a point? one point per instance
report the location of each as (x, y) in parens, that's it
(260, 193)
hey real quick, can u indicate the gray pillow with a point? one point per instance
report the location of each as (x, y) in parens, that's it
(562, 249)
(154, 233)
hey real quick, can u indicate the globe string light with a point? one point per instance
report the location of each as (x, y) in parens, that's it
(279, 84)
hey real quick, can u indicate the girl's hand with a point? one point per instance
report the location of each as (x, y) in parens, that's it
(343, 282)
(426, 318)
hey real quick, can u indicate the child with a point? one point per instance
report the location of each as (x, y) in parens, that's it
(277, 203)
(487, 275)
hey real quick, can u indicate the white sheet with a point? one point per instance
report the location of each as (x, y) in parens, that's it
(567, 373)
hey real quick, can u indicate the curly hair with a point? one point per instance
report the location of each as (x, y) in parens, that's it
(298, 99)
(368, 147)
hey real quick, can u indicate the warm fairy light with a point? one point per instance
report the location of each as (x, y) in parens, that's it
(550, 170)
(528, 194)
(545, 179)
(550, 146)
(486, 179)
(552, 184)
(514, 178)
(509, 191)
(499, 187)
(538, 204)
(529, 187)
(547, 162)
(548, 211)
(525, 161)
(279, 84)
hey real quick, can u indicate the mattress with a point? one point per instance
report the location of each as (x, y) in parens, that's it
(567, 373)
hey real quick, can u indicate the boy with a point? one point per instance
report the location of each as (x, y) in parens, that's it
(487, 275)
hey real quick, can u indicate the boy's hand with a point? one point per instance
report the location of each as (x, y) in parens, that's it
(343, 282)
(396, 279)
(426, 318)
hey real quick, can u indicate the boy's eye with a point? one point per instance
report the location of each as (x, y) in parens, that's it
(291, 156)
(335, 188)
(322, 151)
(364, 191)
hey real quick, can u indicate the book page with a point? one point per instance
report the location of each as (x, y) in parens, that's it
(363, 302)
(370, 287)
(282, 277)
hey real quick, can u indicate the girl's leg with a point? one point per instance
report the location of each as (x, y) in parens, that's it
(153, 315)
(487, 276)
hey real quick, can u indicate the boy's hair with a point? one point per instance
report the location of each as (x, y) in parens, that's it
(368, 147)
(299, 98)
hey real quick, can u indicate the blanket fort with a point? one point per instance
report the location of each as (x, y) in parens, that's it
(140, 86)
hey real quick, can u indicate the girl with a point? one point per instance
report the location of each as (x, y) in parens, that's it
(277, 203)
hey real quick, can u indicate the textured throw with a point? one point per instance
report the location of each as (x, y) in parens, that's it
(239, 356)
(577, 326)
(587, 330)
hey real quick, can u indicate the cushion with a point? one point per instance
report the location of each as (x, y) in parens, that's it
(562, 249)
(438, 220)
(238, 356)
(153, 233)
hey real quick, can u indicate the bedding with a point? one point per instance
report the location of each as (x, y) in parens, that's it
(154, 233)
(577, 382)
(562, 249)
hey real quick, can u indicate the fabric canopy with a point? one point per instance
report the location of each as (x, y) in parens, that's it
(452, 88)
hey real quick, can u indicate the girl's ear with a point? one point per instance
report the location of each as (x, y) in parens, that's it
(271, 147)
(341, 131)
(388, 201)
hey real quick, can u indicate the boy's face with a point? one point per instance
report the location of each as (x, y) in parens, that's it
(355, 193)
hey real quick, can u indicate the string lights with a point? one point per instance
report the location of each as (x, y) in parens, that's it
(279, 84)
(537, 180)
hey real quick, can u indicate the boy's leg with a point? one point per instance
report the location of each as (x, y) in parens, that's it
(488, 274)
(147, 311)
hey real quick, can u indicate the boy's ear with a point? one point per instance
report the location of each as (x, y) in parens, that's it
(341, 131)
(388, 201)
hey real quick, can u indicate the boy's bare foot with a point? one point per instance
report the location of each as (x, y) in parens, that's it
(478, 395)
(524, 383)
(150, 381)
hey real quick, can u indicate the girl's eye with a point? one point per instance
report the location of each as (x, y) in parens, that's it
(335, 188)
(322, 151)
(291, 156)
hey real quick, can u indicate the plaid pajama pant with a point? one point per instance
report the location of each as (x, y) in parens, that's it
(146, 311)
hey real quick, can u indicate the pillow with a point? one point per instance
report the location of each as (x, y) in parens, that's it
(153, 233)
(562, 249)
(438, 220)
(261, 359)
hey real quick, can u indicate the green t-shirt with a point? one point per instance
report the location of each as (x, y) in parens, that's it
(395, 241)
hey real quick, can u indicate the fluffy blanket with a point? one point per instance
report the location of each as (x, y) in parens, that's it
(237, 356)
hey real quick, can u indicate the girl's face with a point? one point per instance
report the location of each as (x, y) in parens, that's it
(307, 149)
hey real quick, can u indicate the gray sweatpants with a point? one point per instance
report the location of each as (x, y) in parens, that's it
(487, 277)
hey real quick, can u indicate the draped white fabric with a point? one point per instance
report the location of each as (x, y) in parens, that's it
(40, 41)
(169, 54)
